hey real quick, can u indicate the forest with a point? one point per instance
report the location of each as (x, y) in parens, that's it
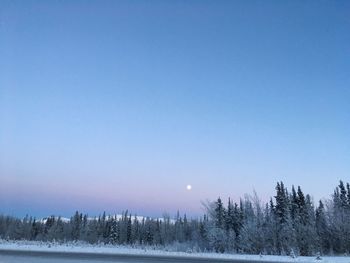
(289, 224)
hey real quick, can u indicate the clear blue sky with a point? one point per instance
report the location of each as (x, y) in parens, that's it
(109, 105)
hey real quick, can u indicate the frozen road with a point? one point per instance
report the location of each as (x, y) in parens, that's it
(12, 256)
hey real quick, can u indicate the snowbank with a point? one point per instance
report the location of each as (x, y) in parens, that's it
(80, 247)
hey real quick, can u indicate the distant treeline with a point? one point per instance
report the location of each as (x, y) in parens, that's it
(288, 224)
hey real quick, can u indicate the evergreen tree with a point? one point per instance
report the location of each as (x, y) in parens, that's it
(136, 230)
(322, 229)
(285, 231)
(128, 230)
(237, 220)
(113, 233)
(76, 225)
(343, 195)
(219, 214)
(281, 208)
(294, 205)
(348, 195)
(35, 230)
(229, 217)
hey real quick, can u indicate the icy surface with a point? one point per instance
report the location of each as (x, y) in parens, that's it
(128, 250)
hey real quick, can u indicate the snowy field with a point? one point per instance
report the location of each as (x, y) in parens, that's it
(125, 250)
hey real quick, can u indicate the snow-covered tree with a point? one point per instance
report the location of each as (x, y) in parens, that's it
(113, 234)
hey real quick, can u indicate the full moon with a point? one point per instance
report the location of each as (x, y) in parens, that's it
(189, 187)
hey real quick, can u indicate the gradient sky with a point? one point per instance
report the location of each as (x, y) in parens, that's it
(113, 105)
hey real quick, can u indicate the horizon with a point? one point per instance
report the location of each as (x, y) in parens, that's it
(161, 214)
(107, 106)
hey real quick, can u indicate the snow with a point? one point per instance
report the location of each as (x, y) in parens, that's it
(63, 219)
(81, 247)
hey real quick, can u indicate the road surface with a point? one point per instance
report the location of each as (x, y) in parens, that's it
(13, 256)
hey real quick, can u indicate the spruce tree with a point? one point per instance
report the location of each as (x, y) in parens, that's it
(285, 232)
(348, 195)
(128, 230)
(113, 233)
(219, 214)
(294, 205)
(229, 217)
(76, 225)
(322, 229)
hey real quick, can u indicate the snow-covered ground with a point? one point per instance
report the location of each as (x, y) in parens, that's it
(109, 249)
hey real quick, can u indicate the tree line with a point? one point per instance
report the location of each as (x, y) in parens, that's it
(289, 224)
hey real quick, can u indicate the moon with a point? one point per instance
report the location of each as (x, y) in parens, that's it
(189, 187)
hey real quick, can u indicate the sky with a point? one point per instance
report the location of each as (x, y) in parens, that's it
(115, 105)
